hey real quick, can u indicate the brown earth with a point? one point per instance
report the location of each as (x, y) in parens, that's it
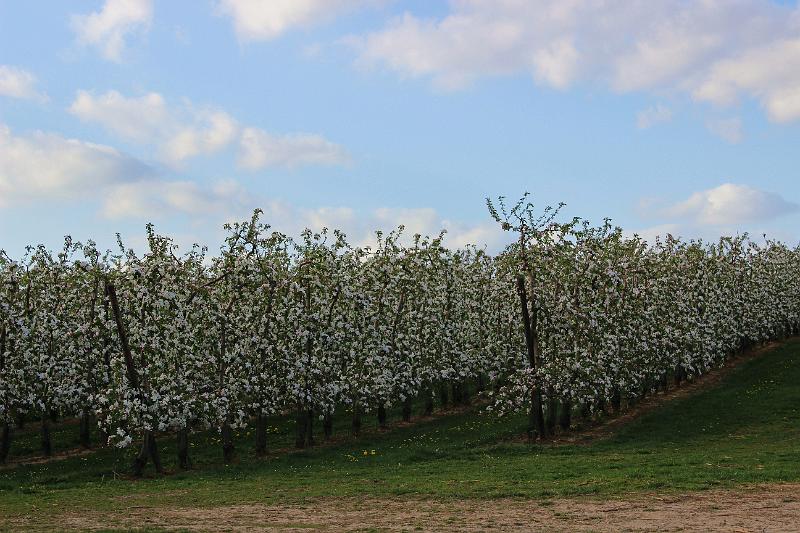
(763, 508)
(41, 459)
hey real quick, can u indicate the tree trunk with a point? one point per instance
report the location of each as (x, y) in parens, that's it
(356, 426)
(407, 409)
(310, 428)
(631, 399)
(21, 421)
(538, 415)
(616, 400)
(552, 406)
(152, 448)
(455, 395)
(664, 382)
(535, 416)
(443, 398)
(301, 421)
(680, 375)
(382, 416)
(140, 461)
(261, 435)
(586, 411)
(228, 448)
(464, 393)
(601, 406)
(565, 420)
(5, 442)
(184, 462)
(149, 450)
(481, 383)
(85, 430)
(133, 377)
(47, 443)
(327, 426)
(428, 403)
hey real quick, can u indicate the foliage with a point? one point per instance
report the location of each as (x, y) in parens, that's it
(177, 343)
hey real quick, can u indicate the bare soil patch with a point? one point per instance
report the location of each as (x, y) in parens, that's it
(773, 508)
(42, 459)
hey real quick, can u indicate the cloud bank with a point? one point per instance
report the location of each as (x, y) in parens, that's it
(257, 20)
(716, 52)
(19, 83)
(731, 204)
(187, 131)
(46, 165)
(108, 29)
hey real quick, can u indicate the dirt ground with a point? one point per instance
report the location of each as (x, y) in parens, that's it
(765, 508)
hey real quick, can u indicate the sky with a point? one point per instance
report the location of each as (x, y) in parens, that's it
(667, 116)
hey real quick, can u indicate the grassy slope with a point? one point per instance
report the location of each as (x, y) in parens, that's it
(745, 431)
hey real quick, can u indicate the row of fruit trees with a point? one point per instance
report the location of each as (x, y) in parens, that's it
(570, 316)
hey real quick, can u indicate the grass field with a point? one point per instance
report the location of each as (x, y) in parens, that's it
(742, 431)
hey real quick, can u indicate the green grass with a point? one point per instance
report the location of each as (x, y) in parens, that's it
(746, 430)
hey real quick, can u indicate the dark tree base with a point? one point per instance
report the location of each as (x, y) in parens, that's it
(149, 450)
(301, 421)
(428, 404)
(565, 420)
(85, 431)
(355, 427)
(382, 416)
(228, 448)
(261, 435)
(5, 442)
(47, 443)
(184, 462)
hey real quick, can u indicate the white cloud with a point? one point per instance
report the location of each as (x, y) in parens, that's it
(731, 204)
(139, 119)
(46, 165)
(108, 28)
(652, 116)
(158, 199)
(210, 132)
(770, 73)
(715, 51)
(259, 149)
(18, 83)
(186, 131)
(557, 64)
(258, 20)
(729, 129)
(180, 132)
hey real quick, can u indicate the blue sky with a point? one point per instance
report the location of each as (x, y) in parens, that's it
(664, 115)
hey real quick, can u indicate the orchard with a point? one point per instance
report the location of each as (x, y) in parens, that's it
(568, 320)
